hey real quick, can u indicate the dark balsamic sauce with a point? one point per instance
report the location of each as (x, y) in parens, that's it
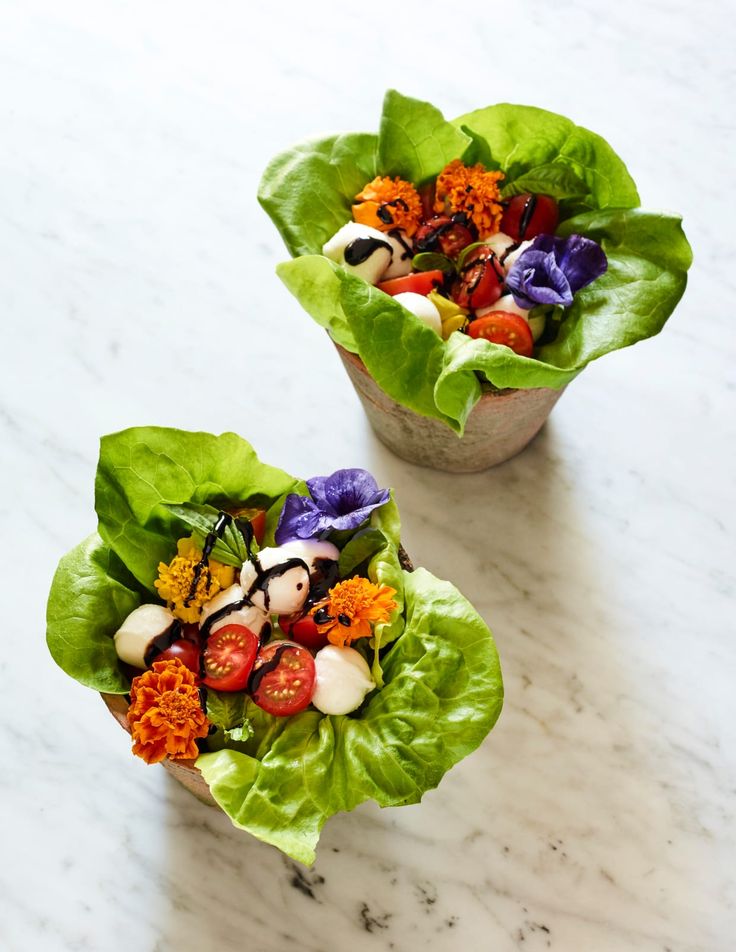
(360, 249)
(397, 236)
(259, 673)
(161, 643)
(526, 216)
(223, 521)
(385, 215)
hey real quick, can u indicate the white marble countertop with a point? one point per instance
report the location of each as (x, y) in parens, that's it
(137, 286)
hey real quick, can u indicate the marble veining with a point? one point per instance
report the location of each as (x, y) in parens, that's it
(599, 815)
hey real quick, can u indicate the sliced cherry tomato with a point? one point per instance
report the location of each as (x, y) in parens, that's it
(186, 651)
(257, 519)
(229, 656)
(420, 282)
(303, 629)
(480, 281)
(283, 678)
(527, 216)
(503, 327)
(443, 234)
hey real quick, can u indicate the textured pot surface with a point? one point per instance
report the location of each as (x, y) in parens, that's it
(182, 770)
(500, 425)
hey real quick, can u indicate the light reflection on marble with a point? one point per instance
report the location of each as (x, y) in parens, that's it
(137, 286)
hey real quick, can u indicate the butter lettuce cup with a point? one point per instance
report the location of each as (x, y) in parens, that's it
(267, 639)
(468, 270)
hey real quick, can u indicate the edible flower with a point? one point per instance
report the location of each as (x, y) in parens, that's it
(165, 713)
(176, 581)
(341, 501)
(351, 607)
(551, 270)
(473, 191)
(387, 203)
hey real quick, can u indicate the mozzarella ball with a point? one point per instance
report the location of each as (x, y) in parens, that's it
(401, 259)
(361, 250)
(343, 680)
(505, 303)
(249, 615)
(499, 243)
(133, 638)
(421, 307)
(511, 259)
(279, 592)
(311, 551)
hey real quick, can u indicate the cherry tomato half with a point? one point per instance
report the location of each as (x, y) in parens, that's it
(503, 327)
(185, 650)
(229, 656)
(302, 629)
(283, 678)
(527, 216)
(443, 234)
(480, 281)
(420, 282)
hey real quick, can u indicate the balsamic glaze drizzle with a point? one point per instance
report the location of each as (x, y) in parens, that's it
(526, 216)
(258, 674)
(162, 642)
(218, 530)
(360, 249)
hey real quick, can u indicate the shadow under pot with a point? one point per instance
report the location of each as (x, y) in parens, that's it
(500, 425)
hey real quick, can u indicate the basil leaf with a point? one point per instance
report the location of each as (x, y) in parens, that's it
(432, 261)
(230, 548)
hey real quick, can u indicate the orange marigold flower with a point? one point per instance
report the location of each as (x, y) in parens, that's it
(387, 203)
(351, 607)
(165, 713)
(472, 190)
(176, 581)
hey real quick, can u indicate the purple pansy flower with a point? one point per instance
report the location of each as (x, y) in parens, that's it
(552, 269)
(341, 501)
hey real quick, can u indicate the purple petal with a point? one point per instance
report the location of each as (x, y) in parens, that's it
(299, 519)
(346, 498)
(582, 260)
(536, 278)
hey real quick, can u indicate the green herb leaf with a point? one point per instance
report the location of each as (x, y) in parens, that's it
(226, 709)
(555, 179)
(230, 549)
(432, 261)
(242, 734)
(361, 547)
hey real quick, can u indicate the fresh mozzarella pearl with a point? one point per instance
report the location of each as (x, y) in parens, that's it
(422, 307)
(139, 629)
(311, 551)
(499, 242)
(510, 260)
(249, 615)
(505, 303)
(377, 261)
(401, 258)
(285, 592)
(343, 680)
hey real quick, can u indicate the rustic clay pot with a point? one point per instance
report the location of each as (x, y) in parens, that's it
(500, 425)
(182, 770)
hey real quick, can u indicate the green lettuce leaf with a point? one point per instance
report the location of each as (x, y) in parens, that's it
(91, 595)
(144, 469)
(280, 778)
(648, 253)
(443, 693)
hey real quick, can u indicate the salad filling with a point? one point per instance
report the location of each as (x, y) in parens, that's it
(269, 631)
(504, 249)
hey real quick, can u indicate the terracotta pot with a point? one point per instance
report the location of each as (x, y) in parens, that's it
(500, 425)
(182, 770)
